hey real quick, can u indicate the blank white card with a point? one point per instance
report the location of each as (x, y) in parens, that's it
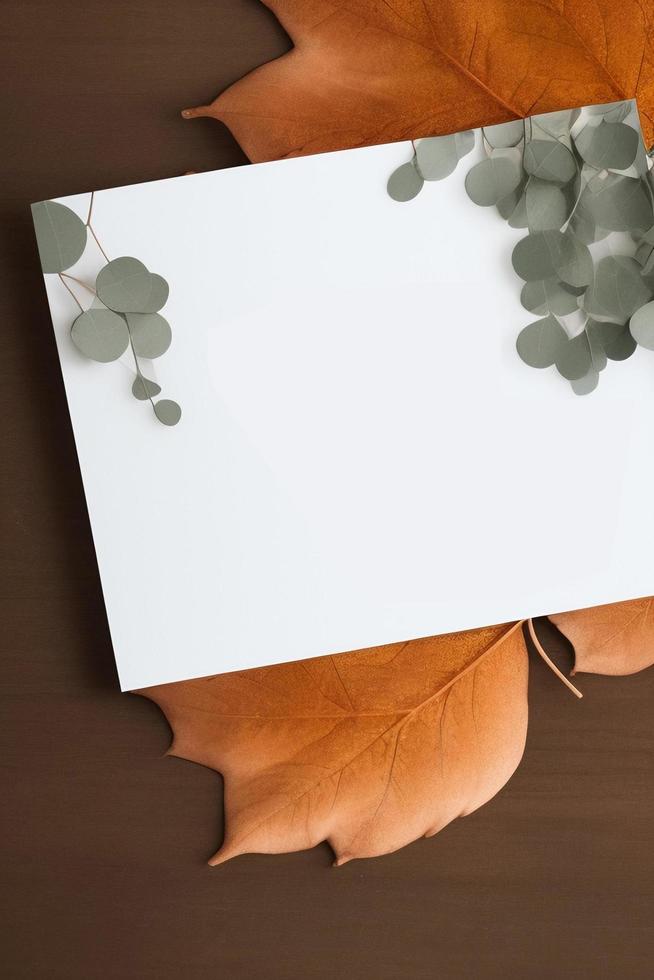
(362, 457)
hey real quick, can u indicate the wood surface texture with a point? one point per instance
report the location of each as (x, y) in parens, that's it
(105, 842)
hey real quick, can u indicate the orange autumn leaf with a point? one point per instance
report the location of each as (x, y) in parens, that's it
(372, 71)
(614, 639)
(367, 750)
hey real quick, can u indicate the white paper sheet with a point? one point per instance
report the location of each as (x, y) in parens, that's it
(362, 457)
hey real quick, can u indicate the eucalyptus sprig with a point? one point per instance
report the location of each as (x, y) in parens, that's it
(127, 298)
(572, 179)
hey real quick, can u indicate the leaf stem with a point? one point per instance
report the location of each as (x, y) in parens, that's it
(550, 663)
(139, 373)
(90, 227)
(97, 242)
(79, 282)
(70, 290)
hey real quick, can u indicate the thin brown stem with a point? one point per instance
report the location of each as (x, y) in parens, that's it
(97, 242)
(70, 291)
(550, 663)
(139, 373)
(90, 226)
(79, 282)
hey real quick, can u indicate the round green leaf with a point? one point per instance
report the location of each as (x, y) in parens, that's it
(143, 388)
(405, 183)
(100, 334)
(595, 340)
(618, 289)
(548, 296)
(151, 334)
(518, 217)
(576, 268)
(547, 205)
(589, 382)
(619, 344)
(437, 157)
(539, 343)
(608, 146)
(491, 180)
(573, 359)
(506, 205)
(553, 254)
(617, 203)
(549, 160)
(158, 295)
(538, 255)
(641, 326)
(583, 227)
(167, 411)
(126, 286)
(464, 141)
(504, 134)
(60, 235)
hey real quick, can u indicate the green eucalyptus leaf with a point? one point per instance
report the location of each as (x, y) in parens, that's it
(167, 411)
(143, 388)
(589, 382)
(548, 296)
(549, 160)
(596, 342)
(125, 286)
(150, 332)
(583, 227)
(100, 334)
(641, 326)
(158, 296)
(540, 343)
(60, 235)
(506, 205)
(518, 217)
(437, 157)
(405, 183)
(491, 180)
(618, 289)
(538, 255)
(553, 254)
(608, 146)
(614, 339)
(573, 359)
(617, 203)
(577, 265)
(547, 205)
(619, 344)
(504, 134)
(465, 142)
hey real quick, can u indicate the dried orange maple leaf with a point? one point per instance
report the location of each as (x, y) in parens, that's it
(373, 71)
(367, 750)
(372, 749)
(614, 639)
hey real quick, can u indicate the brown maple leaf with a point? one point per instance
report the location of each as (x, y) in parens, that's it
(372, 749)
(367, 750)
(614, 639)
(372, 71)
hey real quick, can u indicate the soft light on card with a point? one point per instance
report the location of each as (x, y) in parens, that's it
(362, 457)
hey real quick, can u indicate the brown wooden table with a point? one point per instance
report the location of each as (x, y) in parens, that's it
(104, 840)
